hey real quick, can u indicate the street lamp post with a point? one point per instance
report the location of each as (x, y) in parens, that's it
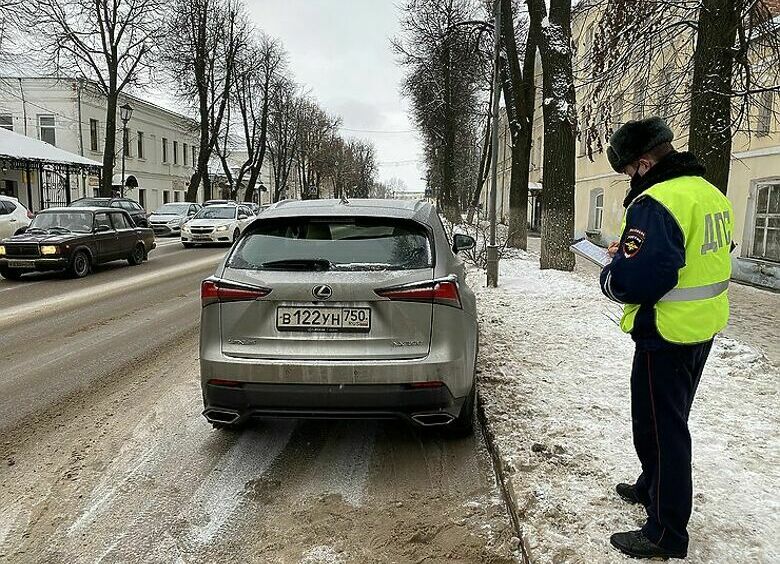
(492, 250)
(125, 113)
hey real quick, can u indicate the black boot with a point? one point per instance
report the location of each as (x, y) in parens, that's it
(636, 544)
(627, 492)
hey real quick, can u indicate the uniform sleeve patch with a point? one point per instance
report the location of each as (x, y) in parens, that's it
(633, 243)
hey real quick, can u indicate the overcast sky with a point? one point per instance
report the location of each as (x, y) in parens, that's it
(340, 50)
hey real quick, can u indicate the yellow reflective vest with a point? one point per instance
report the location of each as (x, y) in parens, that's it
(698, 307)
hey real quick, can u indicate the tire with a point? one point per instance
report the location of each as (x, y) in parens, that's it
(10, 273)
(188, 245)
(80, 265)
(137, 256)
(463, 426)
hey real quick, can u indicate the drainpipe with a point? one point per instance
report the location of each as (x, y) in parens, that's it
(81, 136)
(24, 105)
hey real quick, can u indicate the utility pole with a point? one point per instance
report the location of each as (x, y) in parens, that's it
(492, 250)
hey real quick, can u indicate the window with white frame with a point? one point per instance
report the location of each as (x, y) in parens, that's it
(185, 157)
(7, 121)
(766, 233)
(140, 144)
(94, 130)
(164, 150)
(765, 108)
(640, 100)
(596, 209)
(47, 128)
(175, 152)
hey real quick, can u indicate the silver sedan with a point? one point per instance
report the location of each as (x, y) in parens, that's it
(336, 309)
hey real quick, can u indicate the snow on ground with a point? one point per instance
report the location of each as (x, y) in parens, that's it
(554, 376)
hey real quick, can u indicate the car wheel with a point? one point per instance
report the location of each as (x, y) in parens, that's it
(10, 273)
(463, 426)
(137, 256)
(79, 265)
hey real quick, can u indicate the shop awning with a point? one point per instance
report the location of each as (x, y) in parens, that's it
(20, 149)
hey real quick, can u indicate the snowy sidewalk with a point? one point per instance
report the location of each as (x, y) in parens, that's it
(554, 379)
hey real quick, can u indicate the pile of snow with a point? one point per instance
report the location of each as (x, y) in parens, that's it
(554, 376)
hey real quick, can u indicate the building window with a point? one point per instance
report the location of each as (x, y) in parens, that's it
(665, 95)
(596, 210)
(177, 196)
(126, 142)
(184, 156)
(166, 197)
(164, 150)
(142, 197)
(175, 152)
(766, 236)
(93, 134)
(7, 121)
(765, 114)
(46, 128)
(194, 157)
(583, 137)
(140, 144)
(588, 46)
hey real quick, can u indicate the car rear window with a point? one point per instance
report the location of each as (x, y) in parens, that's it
(340, 243)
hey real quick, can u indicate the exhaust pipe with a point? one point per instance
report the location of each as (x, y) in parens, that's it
(220, 416)
(433, 419)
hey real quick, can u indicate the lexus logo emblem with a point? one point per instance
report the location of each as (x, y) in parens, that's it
(322, 292)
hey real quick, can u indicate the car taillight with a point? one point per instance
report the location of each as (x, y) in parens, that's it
(444, 292)
(212, 291)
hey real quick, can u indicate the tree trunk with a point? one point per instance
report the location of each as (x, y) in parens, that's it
(109, 146)
(519, 94)
(710, 135)
(560, 126)
(483, 168)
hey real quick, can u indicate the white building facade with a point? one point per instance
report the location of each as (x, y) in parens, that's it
(160, 153)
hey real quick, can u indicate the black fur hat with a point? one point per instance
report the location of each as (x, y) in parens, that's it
(636, 138)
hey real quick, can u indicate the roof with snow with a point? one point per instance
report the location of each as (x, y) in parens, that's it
(17, 147)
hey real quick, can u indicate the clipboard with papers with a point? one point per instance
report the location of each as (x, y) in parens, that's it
(593, 253)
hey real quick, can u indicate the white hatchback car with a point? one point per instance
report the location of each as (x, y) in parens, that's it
(216, 224)
(13, 215)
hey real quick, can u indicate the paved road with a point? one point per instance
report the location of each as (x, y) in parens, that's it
(104, 456)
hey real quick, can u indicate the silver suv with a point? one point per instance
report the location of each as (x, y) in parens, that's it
(335, 309)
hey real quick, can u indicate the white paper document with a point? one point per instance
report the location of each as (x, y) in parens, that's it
(593, 253)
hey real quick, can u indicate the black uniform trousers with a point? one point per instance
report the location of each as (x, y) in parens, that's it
(663, 384)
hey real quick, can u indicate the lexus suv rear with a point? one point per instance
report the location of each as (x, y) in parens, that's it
(340, 309)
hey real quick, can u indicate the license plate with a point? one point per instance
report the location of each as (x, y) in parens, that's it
(201, 237)
(330, 319)
(21, 263)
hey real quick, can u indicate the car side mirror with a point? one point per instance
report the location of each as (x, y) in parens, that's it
(243, 216)
(463, 243)
(103, 229)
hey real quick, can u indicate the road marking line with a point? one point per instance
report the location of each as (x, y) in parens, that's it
(18, 314)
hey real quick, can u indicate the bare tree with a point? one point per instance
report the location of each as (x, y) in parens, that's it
(108, 42)
(283, 135)
(446, 60)
(704, 65)
(204, 41)
(560, 126)
(10, 11)
(259, 68)
(316, 129)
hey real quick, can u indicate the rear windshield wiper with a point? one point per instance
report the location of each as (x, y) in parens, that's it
(59, 227)
(298, 264)
(36, 229)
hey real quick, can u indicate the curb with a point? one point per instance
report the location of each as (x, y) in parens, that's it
(503, 481)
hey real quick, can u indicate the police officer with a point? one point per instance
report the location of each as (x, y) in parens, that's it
(671, 269)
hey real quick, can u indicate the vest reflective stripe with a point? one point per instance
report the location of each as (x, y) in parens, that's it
(698, 307)
(696, 293)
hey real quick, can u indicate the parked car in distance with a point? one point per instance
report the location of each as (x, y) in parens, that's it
(75, 239)
(168, 218)
(13, 216)
(216, 224)
(137, 213)
(219, 202)
(327, 309)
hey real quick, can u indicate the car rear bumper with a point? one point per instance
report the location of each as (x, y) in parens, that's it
(229, 404)
(32, 265)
